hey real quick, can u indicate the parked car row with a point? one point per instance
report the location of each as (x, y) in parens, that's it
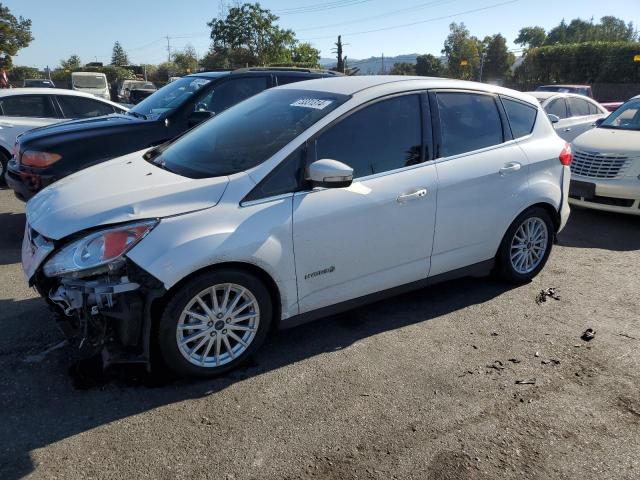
(220, 207)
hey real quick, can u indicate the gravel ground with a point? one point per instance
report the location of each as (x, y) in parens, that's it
(419, 386)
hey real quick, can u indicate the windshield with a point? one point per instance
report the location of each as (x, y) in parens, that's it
(247, 134)
(627, 117)
(89, 81)
(37, 83)
(170, 97)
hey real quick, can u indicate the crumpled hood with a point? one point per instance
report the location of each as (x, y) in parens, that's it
(609, 140)
(125, 189)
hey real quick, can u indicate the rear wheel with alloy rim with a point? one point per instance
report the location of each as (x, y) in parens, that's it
(214, 323)
(526, 246)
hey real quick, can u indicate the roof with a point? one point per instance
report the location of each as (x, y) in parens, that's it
(9, 92)
(257, 70)
(354, 84)
(216, 74)
(547, 95)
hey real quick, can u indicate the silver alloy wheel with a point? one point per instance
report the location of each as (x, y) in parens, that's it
(529, 245)
(218, 325)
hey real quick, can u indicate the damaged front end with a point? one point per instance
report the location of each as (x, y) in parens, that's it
(102, 300)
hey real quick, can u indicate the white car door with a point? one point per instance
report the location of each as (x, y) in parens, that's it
(20, 113)
(377, 233)
(482, 179)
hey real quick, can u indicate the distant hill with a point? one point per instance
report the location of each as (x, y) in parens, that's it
(372, 65)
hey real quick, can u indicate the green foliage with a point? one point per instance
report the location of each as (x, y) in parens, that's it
(610, 29)
(166, 70)
(119, 56)
(304, 53)
(531, 37)
(589, 62)
(429, 66)
(461, 50)
(114, 73)
(403, 68)
(72, 63)
(21, 73)
(15, 34)
(498, 60)
(186, 61)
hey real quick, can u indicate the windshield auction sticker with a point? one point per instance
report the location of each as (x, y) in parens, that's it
(314, 103)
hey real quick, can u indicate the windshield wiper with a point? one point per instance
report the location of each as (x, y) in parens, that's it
(137, 115)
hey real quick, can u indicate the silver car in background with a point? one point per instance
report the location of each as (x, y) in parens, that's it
(605, 173)
(571, 114)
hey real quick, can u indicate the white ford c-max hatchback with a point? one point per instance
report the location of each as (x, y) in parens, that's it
(297, 203)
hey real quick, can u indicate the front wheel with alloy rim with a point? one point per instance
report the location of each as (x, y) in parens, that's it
(526, 246)
(214, 322)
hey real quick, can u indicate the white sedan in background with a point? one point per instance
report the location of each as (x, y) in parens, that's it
(571, 114)
(23, 109)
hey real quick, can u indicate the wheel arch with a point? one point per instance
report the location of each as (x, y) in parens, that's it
(547, 206)
(160, 303)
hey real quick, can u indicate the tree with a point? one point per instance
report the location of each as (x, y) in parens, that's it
(186, 61)
(15, 34)
(610, 29)
(22, 73)
(72, 63)
(166, 70)
(461, 50)
(305, 53)
(249, 35)
(498, 60)
(429, 66)
(119, 57)
(531, 37)
(403, 68)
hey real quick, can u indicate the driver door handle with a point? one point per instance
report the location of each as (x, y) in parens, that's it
(510, 167)
(414, 195)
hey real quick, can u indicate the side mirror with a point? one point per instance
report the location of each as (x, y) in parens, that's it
(598, 122)
(553, 118)
(330, 174)
(199, 116)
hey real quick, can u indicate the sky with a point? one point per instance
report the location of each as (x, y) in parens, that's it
(368, 27)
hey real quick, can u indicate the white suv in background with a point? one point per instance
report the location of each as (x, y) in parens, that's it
(302, 201)
(606, 167)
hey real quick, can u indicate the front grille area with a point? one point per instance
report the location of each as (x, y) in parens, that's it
(596, 165)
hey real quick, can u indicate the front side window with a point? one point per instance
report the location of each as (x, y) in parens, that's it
(627, 117)
(27, 106)
(381, 137)
(170, 97)
(229, 93)
(78, 107)
(468, 122)
(522, 117)
(247, 134)
(578, 107)
(557, 107)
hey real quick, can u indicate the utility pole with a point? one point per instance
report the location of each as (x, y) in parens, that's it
(340, 65)
(168, 47)
(484, 55)
(382, 71)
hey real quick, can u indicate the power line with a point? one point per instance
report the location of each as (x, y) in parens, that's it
(437, 3)
(319, 7)
(475, 10)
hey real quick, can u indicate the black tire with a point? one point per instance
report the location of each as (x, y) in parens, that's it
(174, 359)
(4, 161)
(504, 265)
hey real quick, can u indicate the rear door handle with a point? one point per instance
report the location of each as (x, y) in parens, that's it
(414, 195)
(510, 167)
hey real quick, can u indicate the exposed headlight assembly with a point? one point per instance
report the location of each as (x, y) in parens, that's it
(98, 252)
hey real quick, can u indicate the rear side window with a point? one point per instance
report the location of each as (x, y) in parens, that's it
(468, 122)
(284, 80)
(522, 117)
(557, 107)
(27, 106)
(381, 137)
(228, 93)
(578, 107)
(593, 110)
(78, 107)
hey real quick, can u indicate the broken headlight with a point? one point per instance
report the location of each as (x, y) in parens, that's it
(98, 252)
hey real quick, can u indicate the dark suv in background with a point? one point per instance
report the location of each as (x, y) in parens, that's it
(47, 154)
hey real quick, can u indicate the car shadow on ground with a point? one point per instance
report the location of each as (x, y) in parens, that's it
(50, 389)
(596, 229)
(11, 232)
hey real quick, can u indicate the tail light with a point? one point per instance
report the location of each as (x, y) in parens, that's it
(39, 159)
(565, 155)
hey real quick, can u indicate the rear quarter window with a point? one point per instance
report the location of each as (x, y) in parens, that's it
(522, 117)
